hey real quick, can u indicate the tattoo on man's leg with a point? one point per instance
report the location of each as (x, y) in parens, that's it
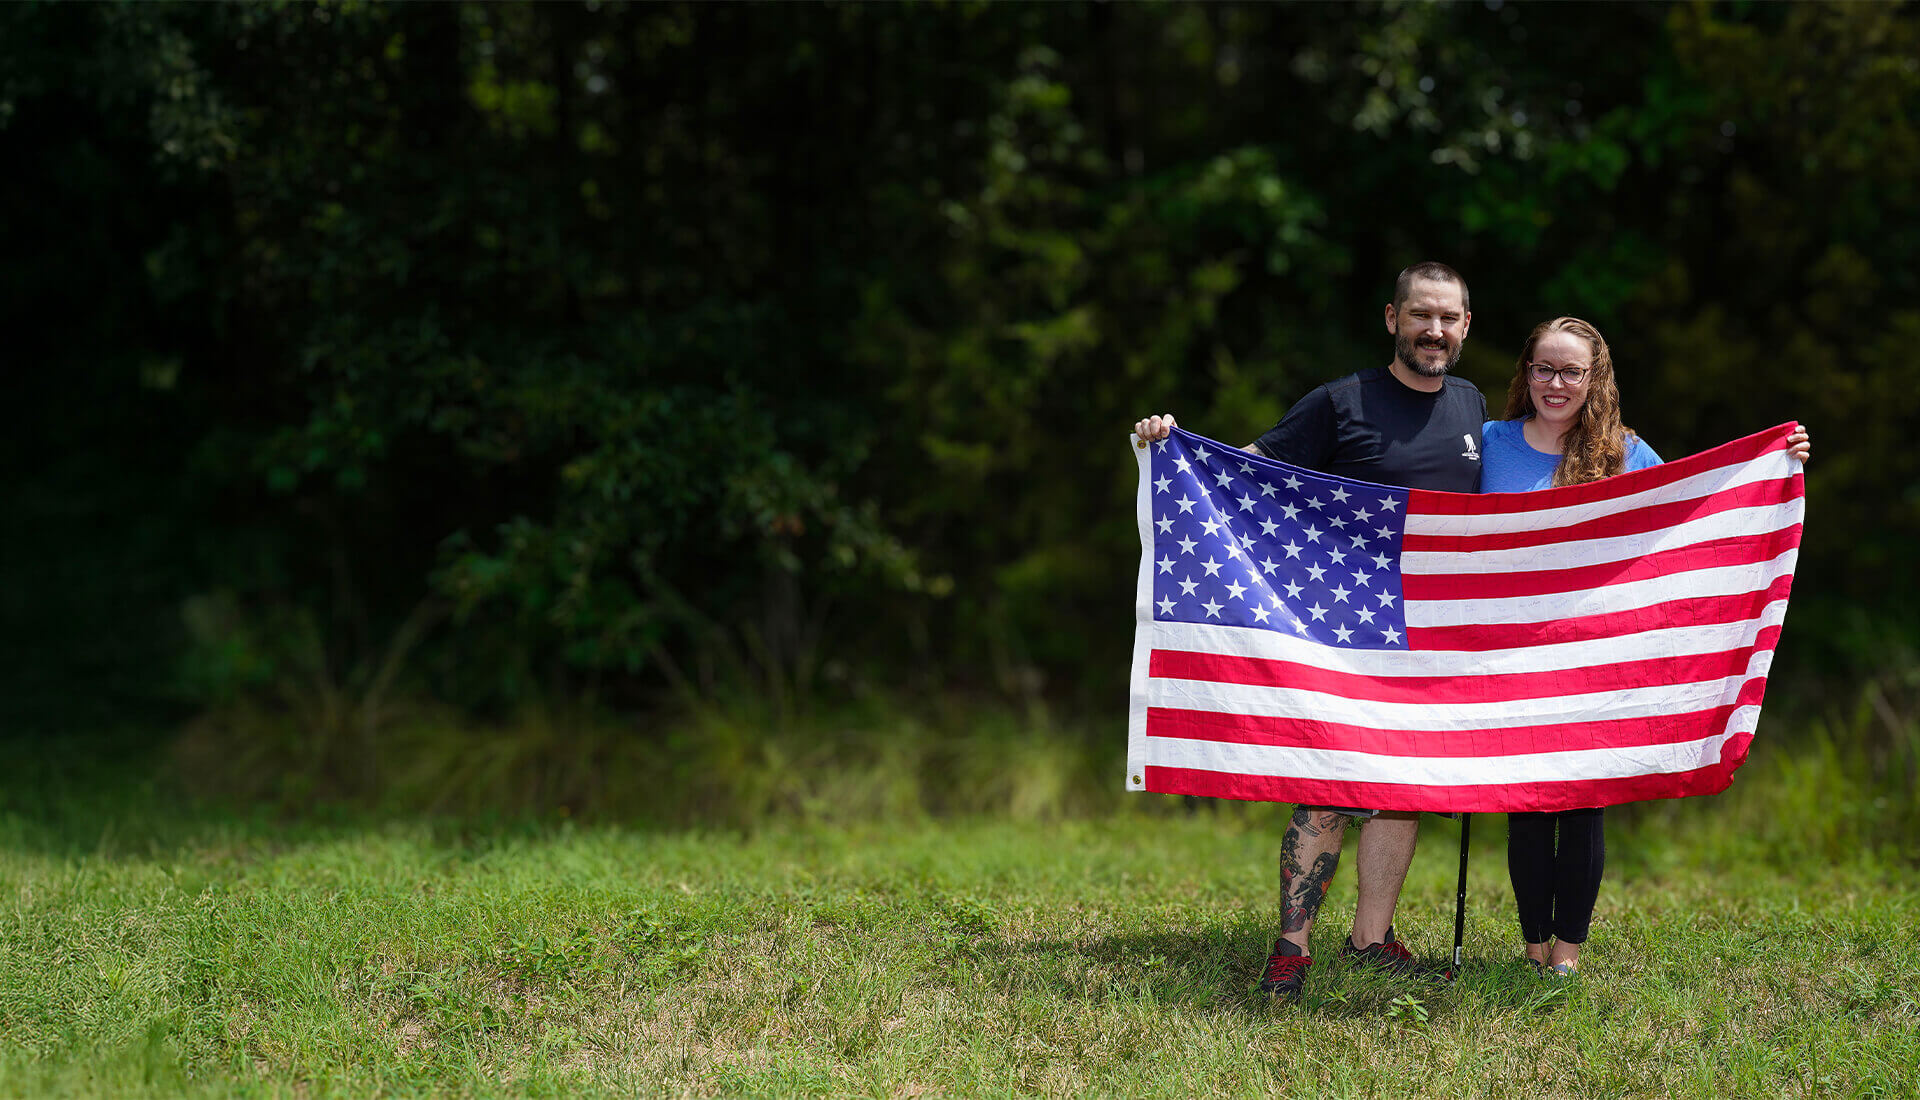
(1301, 894)
(1316, 824)
(1290, 861)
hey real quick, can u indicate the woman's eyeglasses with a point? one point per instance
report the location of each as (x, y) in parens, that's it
(1543, 372)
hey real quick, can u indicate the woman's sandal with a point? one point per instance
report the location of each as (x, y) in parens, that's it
(1566, 969)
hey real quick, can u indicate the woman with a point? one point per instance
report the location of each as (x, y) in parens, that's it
(1562, 427)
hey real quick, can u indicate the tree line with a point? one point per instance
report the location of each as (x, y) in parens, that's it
(495, 352)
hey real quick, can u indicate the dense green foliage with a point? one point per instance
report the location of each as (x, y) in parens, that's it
(501, 353)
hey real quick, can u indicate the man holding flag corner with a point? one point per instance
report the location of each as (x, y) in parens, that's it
(1411, 424)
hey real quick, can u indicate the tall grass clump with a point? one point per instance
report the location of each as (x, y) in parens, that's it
(734, 761)
(1838, 783)
(751, 725)
(1862, 758)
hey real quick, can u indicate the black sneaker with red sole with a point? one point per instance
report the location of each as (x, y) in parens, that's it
(1390, 957)
(1286, 975)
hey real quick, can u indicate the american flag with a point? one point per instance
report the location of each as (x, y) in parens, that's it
(1308, 638)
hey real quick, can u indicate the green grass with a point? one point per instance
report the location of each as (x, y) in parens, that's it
(151, 952)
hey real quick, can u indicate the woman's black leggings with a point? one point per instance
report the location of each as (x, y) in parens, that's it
(1555, 861)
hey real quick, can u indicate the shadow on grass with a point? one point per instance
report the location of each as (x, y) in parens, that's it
(1218, 970)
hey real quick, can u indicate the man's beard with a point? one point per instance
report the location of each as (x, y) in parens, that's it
(1405, 351)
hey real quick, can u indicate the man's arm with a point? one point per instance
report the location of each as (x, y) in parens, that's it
(1303, 437)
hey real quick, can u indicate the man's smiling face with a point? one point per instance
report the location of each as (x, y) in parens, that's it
(1430, 327)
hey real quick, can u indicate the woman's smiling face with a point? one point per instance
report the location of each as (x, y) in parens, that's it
(1555, 403)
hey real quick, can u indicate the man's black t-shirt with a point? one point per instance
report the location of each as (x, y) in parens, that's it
(1373, 427)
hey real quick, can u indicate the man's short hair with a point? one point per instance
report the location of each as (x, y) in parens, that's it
(1432, 272)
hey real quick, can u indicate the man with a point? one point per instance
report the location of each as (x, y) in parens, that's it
(1411, 424)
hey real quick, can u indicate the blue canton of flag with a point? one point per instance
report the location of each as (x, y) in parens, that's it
(1240, 540)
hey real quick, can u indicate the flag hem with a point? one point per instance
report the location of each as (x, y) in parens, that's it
(1143, 621)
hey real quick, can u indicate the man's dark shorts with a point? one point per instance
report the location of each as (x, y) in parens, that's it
(1357, 815)
(1363, 815)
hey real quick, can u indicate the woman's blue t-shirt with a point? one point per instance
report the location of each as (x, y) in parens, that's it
(1511, 465)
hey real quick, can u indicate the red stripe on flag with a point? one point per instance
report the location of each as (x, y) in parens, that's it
(1675, 613)
(1479, 798)
(1616, 733)
(1435, 503)
(1634, 521)
(1713, 554)
(1180, 664)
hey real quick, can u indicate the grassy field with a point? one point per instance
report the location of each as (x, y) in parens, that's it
(145, 951)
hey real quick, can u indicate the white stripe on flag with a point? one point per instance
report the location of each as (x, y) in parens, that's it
(1234, 641)
(1730, 580)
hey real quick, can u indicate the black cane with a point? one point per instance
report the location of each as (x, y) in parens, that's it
(1460, 899)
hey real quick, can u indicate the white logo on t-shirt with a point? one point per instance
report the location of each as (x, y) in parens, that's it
(1473, 449)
